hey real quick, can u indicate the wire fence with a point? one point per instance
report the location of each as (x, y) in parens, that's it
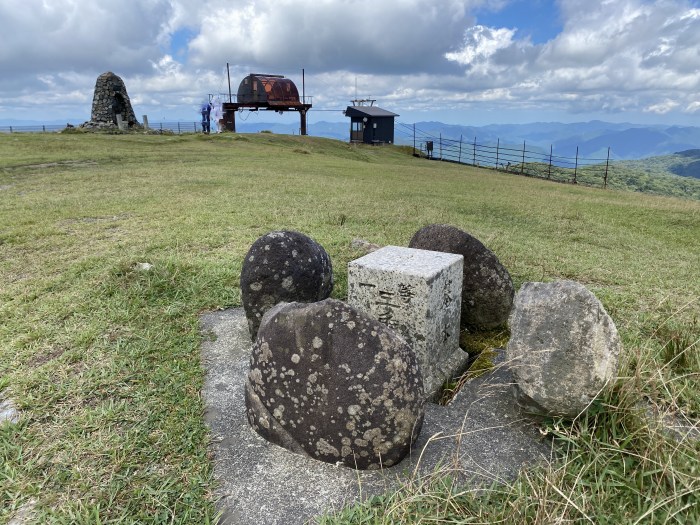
(39, 128)
(508, 157)
(174, 127)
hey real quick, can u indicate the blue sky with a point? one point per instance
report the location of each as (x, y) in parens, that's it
(537, 19)
(459, 61)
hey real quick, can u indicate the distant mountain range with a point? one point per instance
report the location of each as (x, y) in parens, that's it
(626, 141)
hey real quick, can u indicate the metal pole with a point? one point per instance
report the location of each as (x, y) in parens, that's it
(576, 166)
(414, 138)
(228, 74)
(522, 165)
(498, 143)
(440, 146)
(460, 150)
(549, 171)
(302, 115)
(303, 89)
(607, 164)
(178, 127)
(474, 159)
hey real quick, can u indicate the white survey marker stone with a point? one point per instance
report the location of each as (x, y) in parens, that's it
(418, 294)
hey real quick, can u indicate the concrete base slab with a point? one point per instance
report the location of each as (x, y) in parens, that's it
(480, 437)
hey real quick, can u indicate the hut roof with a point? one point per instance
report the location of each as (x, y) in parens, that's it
(368, 111)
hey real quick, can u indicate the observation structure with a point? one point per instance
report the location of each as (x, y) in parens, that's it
(266, 92)
(370, 124)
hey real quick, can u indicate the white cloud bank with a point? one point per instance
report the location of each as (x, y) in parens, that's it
(614, 57)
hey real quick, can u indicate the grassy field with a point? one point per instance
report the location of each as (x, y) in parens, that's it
(102, 357)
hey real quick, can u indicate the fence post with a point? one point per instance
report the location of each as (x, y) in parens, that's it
(498, 144)
(460, 150)
(549, 170)
(10, 129)
(43, 129)
(607, 164)
(474, 162)
(576, 166)
(522, 164)
(178, 127)
(414, 139)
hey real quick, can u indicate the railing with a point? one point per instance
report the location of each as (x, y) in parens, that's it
(175, 127)
(39, 128)
(509, 158)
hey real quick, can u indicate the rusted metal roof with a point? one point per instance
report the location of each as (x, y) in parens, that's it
(273, 89)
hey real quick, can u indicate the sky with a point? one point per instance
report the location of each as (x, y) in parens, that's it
(470, 62)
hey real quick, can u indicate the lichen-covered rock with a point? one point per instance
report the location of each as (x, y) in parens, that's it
(487, 289)
(564, 348)
(283, 266)
(329, 382)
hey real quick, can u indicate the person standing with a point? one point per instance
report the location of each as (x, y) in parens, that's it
(206, 117)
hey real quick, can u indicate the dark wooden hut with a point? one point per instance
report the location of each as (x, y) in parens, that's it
(371, 124)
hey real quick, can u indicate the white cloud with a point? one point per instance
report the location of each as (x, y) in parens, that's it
(662, 107)
(325, 35)
(620, 55)
(693, 107)
(480, 44)
(611, 56)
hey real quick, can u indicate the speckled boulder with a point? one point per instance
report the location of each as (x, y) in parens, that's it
(329, 382)
(487, 289)
(564, 348)
(283, 266)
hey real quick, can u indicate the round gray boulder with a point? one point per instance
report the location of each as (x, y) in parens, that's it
(329, 382)
(487, 289)
(563, 350)
(283, 266)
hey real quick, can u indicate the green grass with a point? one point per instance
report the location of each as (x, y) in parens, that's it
(102, 357)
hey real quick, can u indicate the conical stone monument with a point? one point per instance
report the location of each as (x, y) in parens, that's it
(111, 104)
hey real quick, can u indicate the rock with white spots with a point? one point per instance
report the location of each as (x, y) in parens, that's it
(487, 289)
(283, 266)
(330, 382)
(564, 348)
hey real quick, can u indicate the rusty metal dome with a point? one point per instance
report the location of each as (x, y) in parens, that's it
(272, 90)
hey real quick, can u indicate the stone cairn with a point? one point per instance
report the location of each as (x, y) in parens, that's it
(111, 105)
(347, 383)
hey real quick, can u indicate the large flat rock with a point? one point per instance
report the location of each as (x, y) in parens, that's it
(481, 435)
